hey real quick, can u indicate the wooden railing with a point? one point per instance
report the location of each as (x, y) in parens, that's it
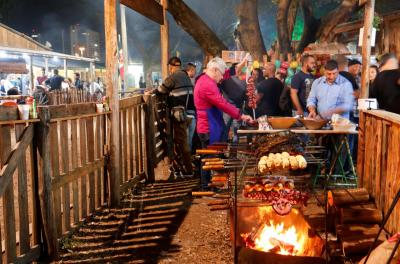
(71, 96)
(378, 162)
(54, 170)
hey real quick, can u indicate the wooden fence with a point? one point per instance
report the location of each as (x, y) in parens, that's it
(71, 96)
(378, 162)
(54, 170)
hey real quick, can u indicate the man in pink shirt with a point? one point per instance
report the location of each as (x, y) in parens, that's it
(210, 104)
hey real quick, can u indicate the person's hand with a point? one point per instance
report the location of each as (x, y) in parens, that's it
(300, 113)
(246, 118)
(312, 114)
(356, 93)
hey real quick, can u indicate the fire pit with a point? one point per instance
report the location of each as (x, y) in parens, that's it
(261, 230)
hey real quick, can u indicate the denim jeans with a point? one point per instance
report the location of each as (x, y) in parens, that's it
(191, 130)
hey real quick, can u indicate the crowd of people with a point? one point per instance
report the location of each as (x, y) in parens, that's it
(215, 104)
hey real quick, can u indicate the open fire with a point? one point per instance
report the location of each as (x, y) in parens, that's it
(285, 235)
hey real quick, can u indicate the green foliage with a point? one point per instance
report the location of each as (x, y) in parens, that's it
(298, 28)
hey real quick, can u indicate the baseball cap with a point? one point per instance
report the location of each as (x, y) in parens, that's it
(174, 61)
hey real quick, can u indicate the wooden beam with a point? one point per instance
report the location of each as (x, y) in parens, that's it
(124, 46)
(7, 172)
(110, 24)
(149, 8)
(366, 47)
(164, 31)
(77, 173)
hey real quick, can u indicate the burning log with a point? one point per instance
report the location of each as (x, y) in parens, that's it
(363, 215)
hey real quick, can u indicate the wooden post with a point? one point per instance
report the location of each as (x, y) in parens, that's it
(164, 41)
(42, 144)
(110, 23)
(124, 45)
(366, 47)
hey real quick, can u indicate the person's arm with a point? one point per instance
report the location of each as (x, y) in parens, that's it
(217, 100)
(294, 94)
(242, 64)
(166, 86)
(312, 101)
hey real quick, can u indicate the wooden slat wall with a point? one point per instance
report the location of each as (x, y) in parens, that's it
(132, 139)
(378, 164)
(19, 231)
(63, 158)
(83, 135)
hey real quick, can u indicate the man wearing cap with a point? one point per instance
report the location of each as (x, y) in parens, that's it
(180, 100)
(210, 104)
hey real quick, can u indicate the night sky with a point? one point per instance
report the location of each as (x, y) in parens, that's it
(49, 17)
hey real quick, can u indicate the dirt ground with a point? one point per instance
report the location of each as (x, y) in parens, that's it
(159, 223)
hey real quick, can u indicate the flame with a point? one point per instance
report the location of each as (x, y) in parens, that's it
(286, 235)
(281, 240)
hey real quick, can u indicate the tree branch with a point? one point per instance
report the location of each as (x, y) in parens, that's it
(186, 18)
(311, 25)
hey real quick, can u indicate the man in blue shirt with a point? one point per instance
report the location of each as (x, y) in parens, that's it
(55, 81)
(330, 94)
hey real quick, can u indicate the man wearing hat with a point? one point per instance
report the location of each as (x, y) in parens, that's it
(179, 89)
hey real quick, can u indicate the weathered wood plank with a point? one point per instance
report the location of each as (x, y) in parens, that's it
(89, 167)
(55, 164)
(382, 196)
(42, 143)
(7, 171)
(90, 141)
(98, 155)
(83, 159)
(130, 142)
(122, 172)
(124, 146)
(136, 140)
(60, 111)
(361, 148)
(140, 139)
(8, 198)
(65, 162)
(22, 198)
(74, 164)
(130, 101)
(8, 113)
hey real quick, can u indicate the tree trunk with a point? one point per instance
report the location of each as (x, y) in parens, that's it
(248, 30)
(311, 25)
(340, 15)
(282, 27)
(292, 15)
(195, 26)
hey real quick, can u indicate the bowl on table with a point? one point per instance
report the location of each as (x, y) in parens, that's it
(313, 124)
(278, 122)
